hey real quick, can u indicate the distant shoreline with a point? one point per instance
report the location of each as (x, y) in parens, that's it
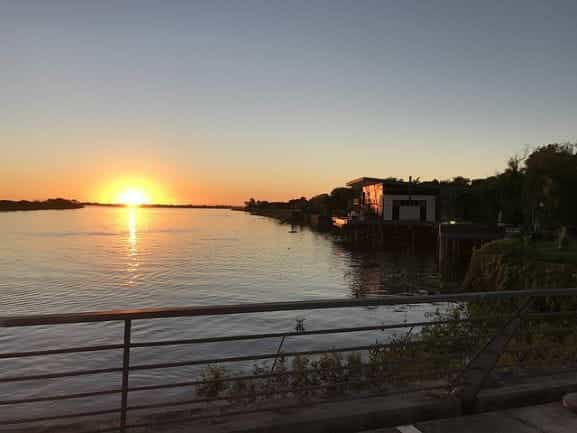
(170, 206)
(50, 204)
(64, 204)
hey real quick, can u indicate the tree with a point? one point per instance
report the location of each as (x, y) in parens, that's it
(342, 199)
(320, 204)
(250, 204)
(552, 182)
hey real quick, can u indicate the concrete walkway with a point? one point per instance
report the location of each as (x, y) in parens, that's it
(547, 418)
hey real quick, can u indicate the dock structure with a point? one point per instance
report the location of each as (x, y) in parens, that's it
(454, 242)
(390, 212)
(408, 213)
(375, 233)
(458, 240)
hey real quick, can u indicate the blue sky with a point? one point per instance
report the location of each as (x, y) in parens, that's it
(218, 101)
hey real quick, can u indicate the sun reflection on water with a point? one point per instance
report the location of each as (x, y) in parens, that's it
(132, 228)
(132, 238)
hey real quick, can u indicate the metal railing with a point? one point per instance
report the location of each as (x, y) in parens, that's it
(468, 373)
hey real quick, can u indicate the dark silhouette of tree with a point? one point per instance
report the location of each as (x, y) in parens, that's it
(50, 204)
(250, 204)
(551, 172)
(320, 204)
(342, 199)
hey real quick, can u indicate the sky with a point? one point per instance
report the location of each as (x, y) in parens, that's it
(218, 101)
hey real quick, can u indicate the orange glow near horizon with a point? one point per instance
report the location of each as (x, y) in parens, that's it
(133, 192)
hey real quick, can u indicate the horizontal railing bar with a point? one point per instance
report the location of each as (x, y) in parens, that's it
(532, 347)
(534, 364)
(438, 343)
(287, 390)
(223, 380)
(552, 314)
(242, 358)
(57, 417)
(179, 420)
(215, 310)
(62, 374)
(84, 349)
(239, 378)
(218, 360)
(288, 334)
(207, 400)
(61, 351)
(548, 332)
(259, 357)
(230, 379)
(245, 377)
(190, 363)
(59, 397)
(106, 430)
(557, 371)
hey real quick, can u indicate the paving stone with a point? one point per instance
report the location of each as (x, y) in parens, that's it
(570, 401)
(493, 422)
(382, 430)
(548, 418)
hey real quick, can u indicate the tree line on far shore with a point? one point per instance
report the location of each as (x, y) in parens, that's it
(537, 189)
(53, 203)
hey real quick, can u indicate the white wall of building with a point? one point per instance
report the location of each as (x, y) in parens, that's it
(387, 205)
(409, 213)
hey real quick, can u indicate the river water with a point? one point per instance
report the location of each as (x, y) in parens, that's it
(100, 258)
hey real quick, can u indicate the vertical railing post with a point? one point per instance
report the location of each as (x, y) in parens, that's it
(125, 373)
(277, 353)
(476, 372)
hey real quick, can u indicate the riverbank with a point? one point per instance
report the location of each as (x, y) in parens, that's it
(294, 216)
(50, 204)
(513, 264)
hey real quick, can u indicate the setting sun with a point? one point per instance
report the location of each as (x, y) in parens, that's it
(133, 197)
(132, 191)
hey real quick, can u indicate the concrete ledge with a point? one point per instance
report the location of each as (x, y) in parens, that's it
(491, 422)
(380, 413)
(532, 391)
(340, 417)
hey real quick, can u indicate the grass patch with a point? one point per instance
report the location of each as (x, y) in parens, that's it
(544, 251)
